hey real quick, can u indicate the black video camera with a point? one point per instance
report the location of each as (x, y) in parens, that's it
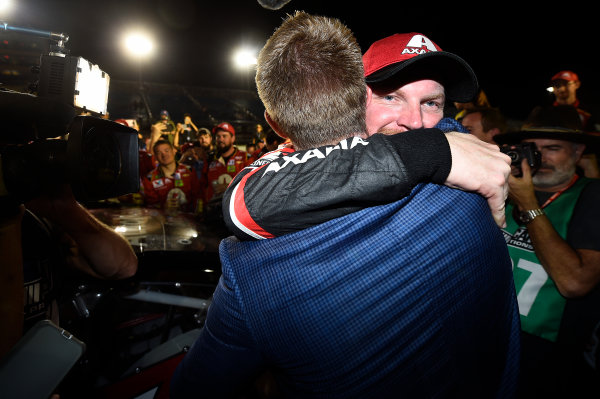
(98, 159)
(44, 143)
(518, 152)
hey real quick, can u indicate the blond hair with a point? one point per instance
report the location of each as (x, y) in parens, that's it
(310, 79)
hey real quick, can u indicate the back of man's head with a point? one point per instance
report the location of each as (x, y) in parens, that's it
(310, 79)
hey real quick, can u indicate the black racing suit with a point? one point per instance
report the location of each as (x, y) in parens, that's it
(285, 190)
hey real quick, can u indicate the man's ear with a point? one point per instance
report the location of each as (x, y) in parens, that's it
(369, 95)
(579, 149)
(274, 126)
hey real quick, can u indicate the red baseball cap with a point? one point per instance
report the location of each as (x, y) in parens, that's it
(420, 58)
(565, 75)
(224, 126)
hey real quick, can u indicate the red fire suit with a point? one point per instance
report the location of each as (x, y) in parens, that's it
(220, 171)
(181, 191)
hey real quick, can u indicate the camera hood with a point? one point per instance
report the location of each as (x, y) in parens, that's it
(102, 158)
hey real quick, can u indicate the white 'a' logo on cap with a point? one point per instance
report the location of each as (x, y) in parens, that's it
(419, 44)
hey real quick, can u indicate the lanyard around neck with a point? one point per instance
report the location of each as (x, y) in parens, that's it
(558, 193)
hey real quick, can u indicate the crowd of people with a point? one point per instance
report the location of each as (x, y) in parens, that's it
(367, 263)
(209, 153)
(184, 168)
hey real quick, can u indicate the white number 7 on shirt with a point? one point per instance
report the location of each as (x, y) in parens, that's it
(532, 285)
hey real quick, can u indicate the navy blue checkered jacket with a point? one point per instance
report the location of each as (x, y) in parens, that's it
(414, 299)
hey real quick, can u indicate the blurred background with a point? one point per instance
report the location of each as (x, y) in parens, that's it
(183, 55)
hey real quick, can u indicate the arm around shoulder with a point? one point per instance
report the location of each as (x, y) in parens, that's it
(288, 191)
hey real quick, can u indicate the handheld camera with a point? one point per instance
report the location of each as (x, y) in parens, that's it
(518, 152)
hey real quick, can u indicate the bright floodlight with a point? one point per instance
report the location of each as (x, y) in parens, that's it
(138, 44)
(5, 7)
(244, 58)
(91, 87)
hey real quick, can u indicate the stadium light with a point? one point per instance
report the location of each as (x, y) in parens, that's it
(139, 45)
(244, 58)
(6, 7)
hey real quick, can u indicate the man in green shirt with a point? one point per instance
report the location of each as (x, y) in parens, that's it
(554, 243)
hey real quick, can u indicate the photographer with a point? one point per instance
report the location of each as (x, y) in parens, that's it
(187, 131)
(554, 243)
(164, 129)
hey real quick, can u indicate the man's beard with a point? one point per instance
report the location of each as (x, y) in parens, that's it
(558, 176)
(222, 149)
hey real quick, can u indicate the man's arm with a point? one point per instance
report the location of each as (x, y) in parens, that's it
(96, 249)
(279, 195)
(155, 133)
(574, 271)
(176, 139)
(481, 168)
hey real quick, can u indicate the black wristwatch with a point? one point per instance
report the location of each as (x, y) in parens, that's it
(527, 216)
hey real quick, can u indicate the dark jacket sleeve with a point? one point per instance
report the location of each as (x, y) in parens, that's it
(284, 192)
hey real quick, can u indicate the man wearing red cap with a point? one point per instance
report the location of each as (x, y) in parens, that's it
(413, 298)
(227, 162)
(409, 79)
(564, 87)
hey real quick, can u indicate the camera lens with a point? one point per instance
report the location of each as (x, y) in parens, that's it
(514, 155)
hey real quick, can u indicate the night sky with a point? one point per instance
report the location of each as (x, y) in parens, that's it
(513, 50)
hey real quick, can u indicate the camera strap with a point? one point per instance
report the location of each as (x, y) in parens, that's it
(558, 193)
